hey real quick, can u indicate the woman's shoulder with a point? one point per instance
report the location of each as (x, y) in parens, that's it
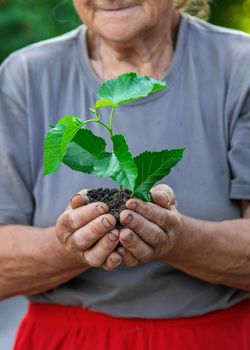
(214, 37)
(36, 59)
(208, 29)
(44, 52)
(220, 50)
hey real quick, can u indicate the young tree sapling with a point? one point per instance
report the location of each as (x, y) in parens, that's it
(79, 148)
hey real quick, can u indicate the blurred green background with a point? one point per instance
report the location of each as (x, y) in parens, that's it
(26, 21)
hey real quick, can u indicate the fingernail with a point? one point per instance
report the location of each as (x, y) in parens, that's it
(113, 235)
(128, 236)
(116, 260)
(106, 223)
(101, 209)
(128, 219)
(165, 194)
(75, 196)
(133, 205)
(122, 251)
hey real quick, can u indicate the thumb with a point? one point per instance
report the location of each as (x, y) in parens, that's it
(79, 199)
(163, 195)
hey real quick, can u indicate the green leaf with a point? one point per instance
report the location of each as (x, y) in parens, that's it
(83, 151)
(152, 167)
(126, 88)
(107, 165)
(128, 174)
(118, 165)
(57, 140)
(105, 103)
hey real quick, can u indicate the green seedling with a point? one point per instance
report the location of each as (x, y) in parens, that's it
(79, 148)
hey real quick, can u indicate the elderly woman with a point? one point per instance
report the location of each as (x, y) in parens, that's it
(172, 278)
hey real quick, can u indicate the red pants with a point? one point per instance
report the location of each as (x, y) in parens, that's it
(50, 327)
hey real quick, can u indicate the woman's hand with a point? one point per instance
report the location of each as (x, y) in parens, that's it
(88, 232)
(151, 229)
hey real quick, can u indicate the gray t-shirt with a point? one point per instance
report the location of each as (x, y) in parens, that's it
(206, 109)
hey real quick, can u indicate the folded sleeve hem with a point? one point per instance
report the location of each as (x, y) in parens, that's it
(239, 191)
(8, 217)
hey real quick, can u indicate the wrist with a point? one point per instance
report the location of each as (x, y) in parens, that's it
(71, 260)
(183, 239)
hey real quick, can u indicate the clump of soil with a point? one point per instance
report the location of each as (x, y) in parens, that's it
(114, 198)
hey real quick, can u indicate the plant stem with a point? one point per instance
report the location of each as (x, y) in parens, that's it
(90, 121)
(111, 120)
(97, 115)
(97, 120)
(106, 127)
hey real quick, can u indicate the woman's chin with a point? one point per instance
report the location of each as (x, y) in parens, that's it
(121, 25)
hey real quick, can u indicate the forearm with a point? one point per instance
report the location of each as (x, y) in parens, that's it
(33, 260)
(217, 252)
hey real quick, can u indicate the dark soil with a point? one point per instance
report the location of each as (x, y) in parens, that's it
(114, 198)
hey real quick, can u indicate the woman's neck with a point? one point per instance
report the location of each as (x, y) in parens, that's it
(149, 54)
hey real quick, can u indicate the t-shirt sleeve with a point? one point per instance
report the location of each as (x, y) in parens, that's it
(239, 155)
(16, 201)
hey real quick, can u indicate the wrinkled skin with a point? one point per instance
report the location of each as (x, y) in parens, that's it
(122, 20)
(88, 232)
(151, 229)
